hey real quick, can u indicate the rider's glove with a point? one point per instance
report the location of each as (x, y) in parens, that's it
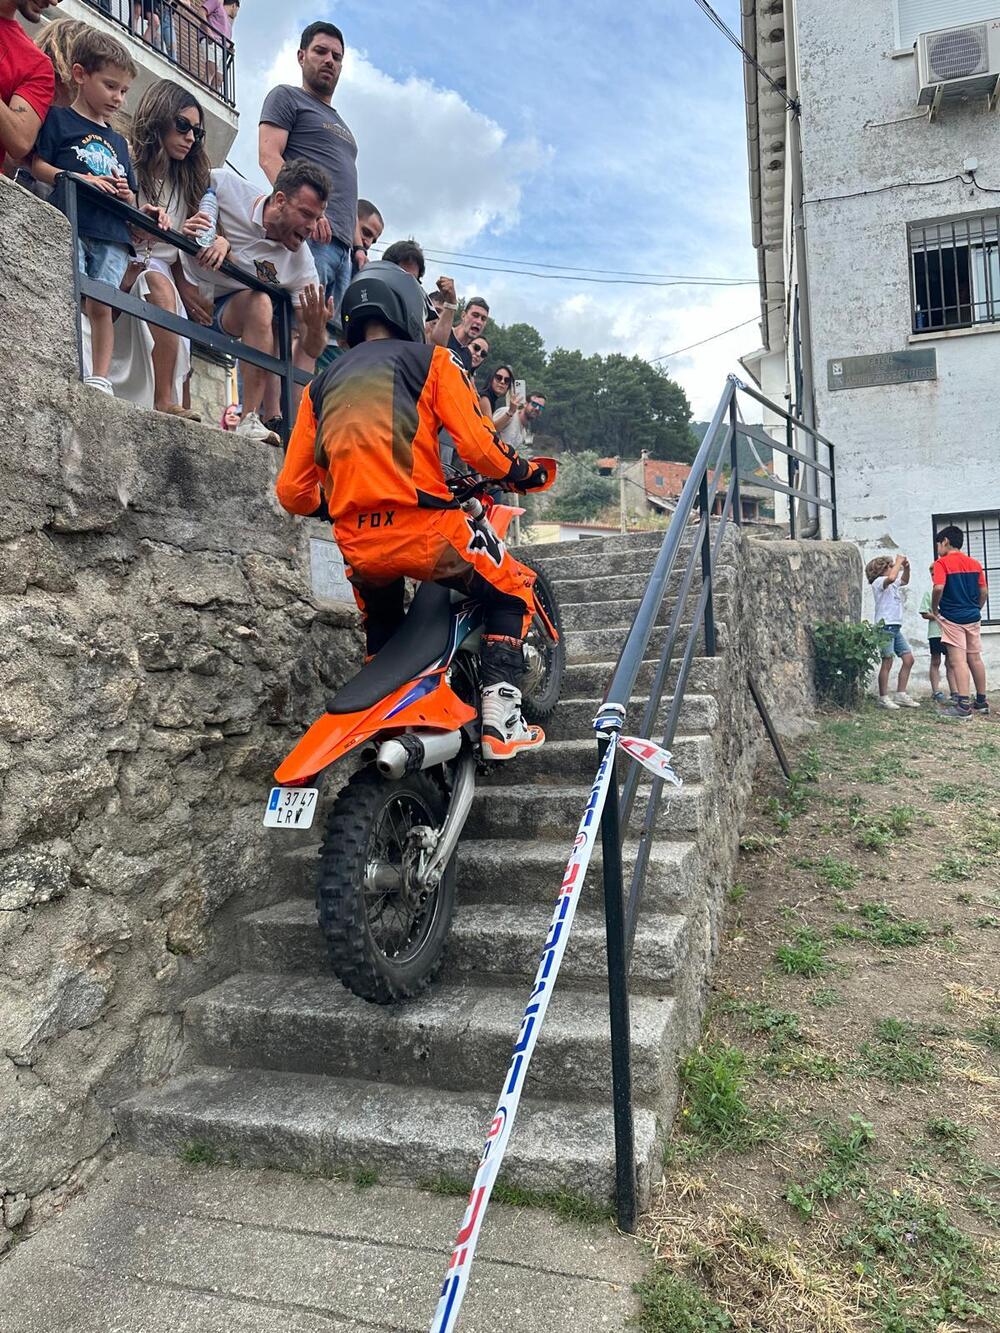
(536, 479)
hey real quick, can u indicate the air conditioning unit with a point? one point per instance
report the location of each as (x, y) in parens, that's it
(958, 64)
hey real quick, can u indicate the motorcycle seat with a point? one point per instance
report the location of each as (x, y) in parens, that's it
(420, 640)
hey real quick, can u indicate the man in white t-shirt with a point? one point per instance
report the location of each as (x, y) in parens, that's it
(266, 235)
(515, 423)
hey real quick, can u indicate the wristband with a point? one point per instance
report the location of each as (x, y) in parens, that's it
(449, 305)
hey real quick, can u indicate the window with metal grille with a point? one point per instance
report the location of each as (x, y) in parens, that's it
(982, 542)
(955, 272)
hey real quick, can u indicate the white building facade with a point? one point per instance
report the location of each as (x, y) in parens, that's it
(877, 226)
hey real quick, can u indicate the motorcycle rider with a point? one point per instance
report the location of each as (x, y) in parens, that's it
(364, 452)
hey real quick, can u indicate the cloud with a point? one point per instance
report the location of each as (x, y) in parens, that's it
(435, 167)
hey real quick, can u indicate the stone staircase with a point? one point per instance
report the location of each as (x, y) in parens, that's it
(285, 1068)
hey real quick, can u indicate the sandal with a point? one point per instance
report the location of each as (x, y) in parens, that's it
(175, 410)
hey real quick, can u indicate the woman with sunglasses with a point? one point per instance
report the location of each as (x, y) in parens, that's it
(479, 350)
(499, 399)
(172, 170)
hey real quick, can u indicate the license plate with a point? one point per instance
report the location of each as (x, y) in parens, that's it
(291, 807)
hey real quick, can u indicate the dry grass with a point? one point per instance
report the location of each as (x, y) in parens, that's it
(856, 986)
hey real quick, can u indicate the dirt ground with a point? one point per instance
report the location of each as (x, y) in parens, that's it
(836, 1162)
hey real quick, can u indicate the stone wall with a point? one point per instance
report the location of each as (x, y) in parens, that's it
(159, 654)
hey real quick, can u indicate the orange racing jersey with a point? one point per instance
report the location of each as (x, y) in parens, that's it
(366, 435)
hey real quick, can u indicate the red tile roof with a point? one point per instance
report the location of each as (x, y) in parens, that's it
(662, 478)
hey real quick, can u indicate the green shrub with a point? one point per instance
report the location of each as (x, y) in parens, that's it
(844, 657)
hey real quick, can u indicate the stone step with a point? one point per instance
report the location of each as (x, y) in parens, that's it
(574, 718)
(616, 611)
(498, 941)
(455, 1036)
(603, 645)
(590, 679)
(637, 563)
(554, 812)
(322, 1126)
(612, 544)
(485, 873)
(560, 761)
(631, 584)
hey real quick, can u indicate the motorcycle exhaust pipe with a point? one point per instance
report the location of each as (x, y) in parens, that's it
(417, 750)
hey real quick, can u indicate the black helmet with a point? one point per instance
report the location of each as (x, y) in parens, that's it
(385, 292)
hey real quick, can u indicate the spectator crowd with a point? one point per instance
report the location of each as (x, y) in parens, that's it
(65, 111)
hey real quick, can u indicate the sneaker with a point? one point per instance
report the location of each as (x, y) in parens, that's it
(252, 428)
(505, 731)
(939, 697)
(903, 700)
(957, 712)
(175, 410)
(885, 702)
(99, 382)
(983, 709)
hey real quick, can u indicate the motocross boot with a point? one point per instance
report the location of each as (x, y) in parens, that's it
(505, 732)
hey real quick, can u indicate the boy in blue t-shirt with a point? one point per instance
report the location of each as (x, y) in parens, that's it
(79, 140)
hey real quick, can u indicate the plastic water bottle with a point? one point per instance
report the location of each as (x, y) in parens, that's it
(209, 205)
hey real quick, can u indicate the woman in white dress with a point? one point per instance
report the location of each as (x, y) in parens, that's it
(172, 170)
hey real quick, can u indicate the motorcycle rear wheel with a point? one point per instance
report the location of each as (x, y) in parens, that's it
(385, 937)
(539, 700)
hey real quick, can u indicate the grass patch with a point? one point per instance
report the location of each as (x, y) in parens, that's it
(847, 1155)
(839, 875)
(825, 997)
(778, 1025)
(364, 1177)
(954, 865)
(877, 832)
(673, 1304)
(199, 1153)
(736, 893)
(802, 1064)
(570, 1207)
(805, 956)
(949, 1132)
(715, 1109)
(758, 842)
(896, 1055)
(919, 1269)
(987, 1033)
(883, 927)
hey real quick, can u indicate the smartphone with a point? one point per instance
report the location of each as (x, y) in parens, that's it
(521, 390)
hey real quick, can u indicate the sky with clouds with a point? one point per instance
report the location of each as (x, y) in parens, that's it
(590, 135)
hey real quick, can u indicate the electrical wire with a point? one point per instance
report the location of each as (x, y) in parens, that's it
(899, 185)
(578, 268)
(691, 346)
(723, 283)
(726, 31)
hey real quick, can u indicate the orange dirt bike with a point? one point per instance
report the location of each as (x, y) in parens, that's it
(386, 888)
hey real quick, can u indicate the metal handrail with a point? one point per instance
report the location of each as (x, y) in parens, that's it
(193, 43)
(718, 453)
(280, 365)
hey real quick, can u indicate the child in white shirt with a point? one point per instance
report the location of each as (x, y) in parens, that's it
(889, 578)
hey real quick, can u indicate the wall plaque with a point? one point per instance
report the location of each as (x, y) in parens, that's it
(864, 372)
(329, 582)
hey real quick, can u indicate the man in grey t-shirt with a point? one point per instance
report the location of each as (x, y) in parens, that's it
(301, 122)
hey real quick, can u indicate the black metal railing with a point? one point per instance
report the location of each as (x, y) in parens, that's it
(715, 469)
(280, 364)
(180, 36)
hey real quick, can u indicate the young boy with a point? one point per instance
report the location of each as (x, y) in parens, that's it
(77, 140)
(959, 595)
(938, 650)
(889, 578)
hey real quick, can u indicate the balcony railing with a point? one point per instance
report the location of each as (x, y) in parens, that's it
(175, 31)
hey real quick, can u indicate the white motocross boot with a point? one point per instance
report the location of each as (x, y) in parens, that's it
(505, 731)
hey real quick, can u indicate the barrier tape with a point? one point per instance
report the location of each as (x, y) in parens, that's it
(456, 1279)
